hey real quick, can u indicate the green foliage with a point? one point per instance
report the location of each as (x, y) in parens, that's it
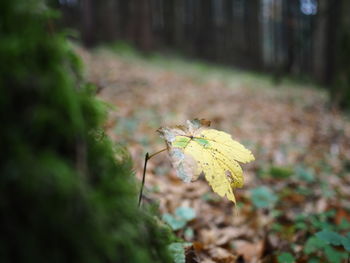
(314, 244)
(316, 222)
(65, 197)
(186, 213)
(344, 224)
(324, 241)
(333, 255)
(181, 217)
(346, 242)
(280, 172)
(263, 197)
(285, 258)
(275, 172)
(330, 237)
(177, 250)
(304, 174)
(173, 222)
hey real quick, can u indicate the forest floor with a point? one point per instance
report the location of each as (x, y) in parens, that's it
(295, 204)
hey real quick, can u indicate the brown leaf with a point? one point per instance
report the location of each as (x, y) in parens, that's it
(222, 255)
(251, 252)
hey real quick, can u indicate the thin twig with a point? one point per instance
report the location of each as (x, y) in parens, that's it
(143, 178)
(147, 157)
(157, 153)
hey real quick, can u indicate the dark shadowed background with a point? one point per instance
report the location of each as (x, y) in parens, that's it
(306, 39)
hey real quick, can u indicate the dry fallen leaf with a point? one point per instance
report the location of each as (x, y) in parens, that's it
(195, 149)
(251, 252)
(222, 255)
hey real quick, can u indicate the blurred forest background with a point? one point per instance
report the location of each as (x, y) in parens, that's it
(85, 85)
(275, 74)
(307, 39)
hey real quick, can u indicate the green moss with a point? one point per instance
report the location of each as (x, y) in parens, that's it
(66, 194)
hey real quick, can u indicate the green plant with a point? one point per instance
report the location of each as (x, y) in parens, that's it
(181, 217)
(324, 240)
(263, 197)
(285, 258)
(177, 249)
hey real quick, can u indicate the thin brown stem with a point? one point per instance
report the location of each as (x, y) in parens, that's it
(147, 157)
(154, 154)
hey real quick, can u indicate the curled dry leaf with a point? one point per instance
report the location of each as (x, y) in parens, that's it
(222, 255)
(251, 252)
(196, 149)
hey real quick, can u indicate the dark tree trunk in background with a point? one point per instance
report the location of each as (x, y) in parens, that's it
(178, 27)
(278, 42)
(320, 42)
(145, 39)
(87, 23)
(333, 31)
(340, 91)
(204, 41)
(140, 26)
(123, 18)
(107, 20)
(289, 36)
(253, 30)
(169, 22)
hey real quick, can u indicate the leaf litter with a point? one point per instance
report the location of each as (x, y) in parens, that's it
(284, 126)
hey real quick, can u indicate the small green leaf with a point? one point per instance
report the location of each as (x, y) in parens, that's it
(304, 190)
(333, 255)
(177, 250)
(344, 224)
(185, 213)
(313, 244)
(285, 258)
(277, 227)
(327, 190)
(263, 197)
(301, 225)
(304, 174)
(314, 260)
(330, 237)
(320, 222)
(346, 242)
(280, 172)
(173, 222)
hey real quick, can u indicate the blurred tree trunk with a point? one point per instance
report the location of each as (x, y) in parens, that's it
(140, 26)
(87, 23)
(333, 32)
(178, 27)
(107, 20)
(289, 36)
(252, 33)
(169, 22)
(320, 41)
(203, 40)
(340, 91)
(145, 40)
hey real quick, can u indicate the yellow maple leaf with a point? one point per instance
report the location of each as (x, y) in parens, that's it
(196, 149)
